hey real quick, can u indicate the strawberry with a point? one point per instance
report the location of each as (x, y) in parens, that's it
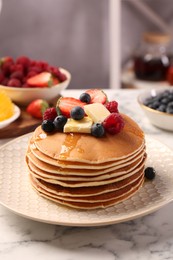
(97, 96)
(37, 107)
(65, 104)
(41, 80)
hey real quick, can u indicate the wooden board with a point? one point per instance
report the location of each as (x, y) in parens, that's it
(24, 124)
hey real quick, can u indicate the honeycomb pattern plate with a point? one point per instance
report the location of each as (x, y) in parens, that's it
(17, 194)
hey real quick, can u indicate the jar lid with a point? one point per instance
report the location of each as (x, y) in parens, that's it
(156, 37)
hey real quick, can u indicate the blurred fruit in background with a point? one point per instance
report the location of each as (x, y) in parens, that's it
(170, 75)
(6, 106)
(37, 108)
(22, 72)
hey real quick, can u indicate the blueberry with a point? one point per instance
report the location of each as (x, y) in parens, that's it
(85, 97)
(162, 102)
(155, 104)
(59, 122)
(165, 94)
(97, 130)
(147, 102)
(150, 105)
(162, 108)
(47, 126)
(165, 100)
(169, 108)
(150, 173)
(171, 97)
(77, 113)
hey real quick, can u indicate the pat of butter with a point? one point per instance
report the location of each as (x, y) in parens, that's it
(78, 126)
(97, 112)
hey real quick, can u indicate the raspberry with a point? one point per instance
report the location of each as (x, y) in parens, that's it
(114, 123)
(31, 74)
(62, 77)
(6, 68)
(25, 61)
(17, 75)
(36, 69)
(14, 83)
(44, 65)
(16, 67)
(50, 114)
(1, 77)
(4, 82)
(54, 70)
(112, 106)
(25, 85)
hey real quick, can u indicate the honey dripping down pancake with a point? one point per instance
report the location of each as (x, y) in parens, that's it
(91, 156)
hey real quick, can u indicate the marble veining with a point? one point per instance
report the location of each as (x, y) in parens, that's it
(149, 237)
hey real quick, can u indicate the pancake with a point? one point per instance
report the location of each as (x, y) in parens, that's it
(84, 191)
(85, 172)
(76, 165)
(86, 148)
(124, 194)
(64, 177)
(69, 183)
(93, 171)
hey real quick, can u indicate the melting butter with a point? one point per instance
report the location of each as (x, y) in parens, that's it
(78, 126)
(97, 112)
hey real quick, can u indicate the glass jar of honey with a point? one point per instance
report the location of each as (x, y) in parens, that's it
(152, 59)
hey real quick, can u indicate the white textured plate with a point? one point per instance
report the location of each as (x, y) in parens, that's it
(12, 118)
(17, 194)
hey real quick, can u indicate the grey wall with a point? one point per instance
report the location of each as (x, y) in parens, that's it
(74, 34)
(68, 33)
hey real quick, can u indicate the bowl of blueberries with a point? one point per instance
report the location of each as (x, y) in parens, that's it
(157, 105)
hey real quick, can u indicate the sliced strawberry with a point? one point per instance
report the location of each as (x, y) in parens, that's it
(97, 96)
(41, 80)
(65, 104)
(37, 107)
(55, 81)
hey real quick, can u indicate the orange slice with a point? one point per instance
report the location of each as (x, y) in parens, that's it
(6, 106)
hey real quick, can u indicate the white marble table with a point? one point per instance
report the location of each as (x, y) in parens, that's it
(149, 237)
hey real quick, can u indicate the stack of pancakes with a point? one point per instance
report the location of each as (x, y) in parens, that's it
(85, 172)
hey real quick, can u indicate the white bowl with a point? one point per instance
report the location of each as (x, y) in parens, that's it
(162, 120)
(8, 121)
(23, 96)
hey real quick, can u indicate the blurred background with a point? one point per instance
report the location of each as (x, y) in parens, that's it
(76, 34)
(69, 33)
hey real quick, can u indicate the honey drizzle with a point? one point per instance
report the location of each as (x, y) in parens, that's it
(69, 144)
(41, 137)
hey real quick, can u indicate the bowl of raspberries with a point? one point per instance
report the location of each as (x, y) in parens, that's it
(157, 105)
(25, 80)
